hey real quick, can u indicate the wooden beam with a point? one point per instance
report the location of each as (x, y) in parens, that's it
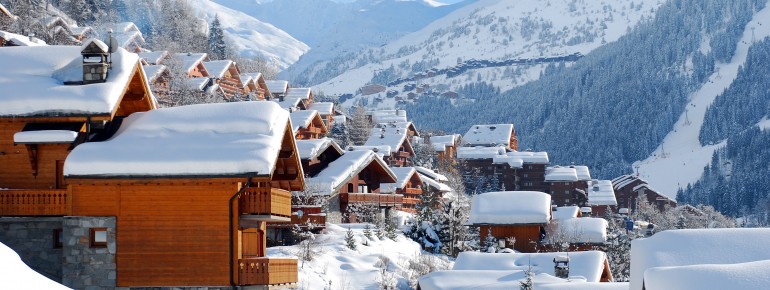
(32, 152)
(285, 177)
(284, 154)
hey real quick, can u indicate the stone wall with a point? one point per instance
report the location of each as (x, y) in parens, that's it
(86, 267)
(32, 239)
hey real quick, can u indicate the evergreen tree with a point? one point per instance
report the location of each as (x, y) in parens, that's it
(360, 126)
(368, 231)
(216, 40)
(350, 240)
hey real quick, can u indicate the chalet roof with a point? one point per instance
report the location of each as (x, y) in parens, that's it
(323, 108)
(488, 135)
(80, 30)
(245, 79)
(430, 173)
(198, 83)
(558, 173)
(529, 157)
(289, 104)
(339, 171)
(153, 71)
(302, 119)
(624, 180)
(126, 33)
(440, 143)
(154, 57)
(600, 192)
(567, 227)
(226, 139)
(20, 40)
(191, 60)
(218, 68)
(52, 20)
(388, 116)
(480, 152)
(277, 86)
(403, 175)
(430, 182)
(510, 208)
(586, 264)
(391, 137)
(311, 148)
(582, 172)
(745, 276)
(380, 150)
(301, 93)
(697, 246)
(33, 82)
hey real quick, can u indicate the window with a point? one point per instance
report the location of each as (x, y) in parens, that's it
(350, 187)
(57, 239)
(363, 188)
(98, 237)
(526, 175)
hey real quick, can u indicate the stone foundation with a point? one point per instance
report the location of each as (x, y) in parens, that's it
(86, 267)
(32, 239)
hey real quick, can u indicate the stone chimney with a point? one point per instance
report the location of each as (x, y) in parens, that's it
(95, 62)
(561, 266)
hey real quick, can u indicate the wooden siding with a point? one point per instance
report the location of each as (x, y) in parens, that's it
(261, 271)
(16, 169)
(266, 201)
(527, 236)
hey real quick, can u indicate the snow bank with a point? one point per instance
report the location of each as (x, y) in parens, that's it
(484, 279)
(488, 135)
(14, 274)
(209, 139)
(511, 207)
(744, 276)
(697, 246)
(588, 265)
(435, 184)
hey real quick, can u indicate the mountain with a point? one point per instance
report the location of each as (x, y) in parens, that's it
(253, 37)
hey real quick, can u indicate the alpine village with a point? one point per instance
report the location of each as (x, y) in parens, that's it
(143, 147)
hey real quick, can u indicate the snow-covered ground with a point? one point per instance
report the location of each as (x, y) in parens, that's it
(14, 274)
(680, 158)
(335, 266)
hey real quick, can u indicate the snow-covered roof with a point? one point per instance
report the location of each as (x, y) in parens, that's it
(435, 184)
(578, 230)
(380, 150)
(289, 104)
(744, 276)
(198, 83)
(512, 161)
(218, 68)
(301, 93)
(697, 246)
(339, 171)
(486, 279)
(45, 136)
(582, 172)
(80, 30)
(21, 40)
(489, 135)
(277, 86)
(441, 142)
(245, 79)
(311, 148)
(530, 157)
(153, 57)
(430, 173)
(15, 274)
(152, 72)
(480, 152)
(586, 264)
(585, 286)
(600, 192)
(302, 119)
(558, 173)
(323, 108)
(191, 60)
(388, 116)
(403, 175)
(510, 208)
(624, 180)
(226, 139)
(32, 80)
(565, 212)
(391, 137)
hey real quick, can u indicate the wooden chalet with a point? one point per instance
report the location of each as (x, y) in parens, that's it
(326, 109)
(491, 136)
(127, 35)
(13, 39)
(255, 86)
(154, 57)
(517, 218)
(393, 142)
(227, 75)
(445, 147)
(191, 64)
(572, 226)
(408, 184)
(630, 190)
(307, 124)
(158, 76)
(277, 89)
(82, 33)
(58, 31)
(512, 169)
(190, 198)
(568, 185)
(353, 182)
(305, 95)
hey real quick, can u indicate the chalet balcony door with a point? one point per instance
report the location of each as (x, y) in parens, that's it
(252, 243)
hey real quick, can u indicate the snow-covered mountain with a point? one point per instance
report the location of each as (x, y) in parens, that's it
(253, 37)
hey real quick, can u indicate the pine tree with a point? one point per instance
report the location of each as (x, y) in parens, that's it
(360, 126)
(490, 242)
(350, 240)
(527, 284)
(368, 231)
(378, 231)
(216, 40)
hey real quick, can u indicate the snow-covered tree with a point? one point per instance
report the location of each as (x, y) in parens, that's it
(350, 239)
(359, 126)
(216, 40)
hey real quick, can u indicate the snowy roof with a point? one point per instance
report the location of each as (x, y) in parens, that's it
(565, 212)
(289, 104)
(311, 148)
(511, 207)
(277, 86)
(153, 57)
(33, 79)
(512, 161)
(388, 116)
(744, 276)
(15, 274)
(579, 230)
(697, 246)
(558, 173)
(530, 157)
(198, 83)
(218, 68)
(152, 72)
(585, 286)
(339, 171)
(403, 175)
(191, 60)
(323, 108)
(435, 184)
(480, 152)
(393, 138)
(441, 142)
(380, 150)
(245, 79)
(485, 279)
(302, 119)
(20, 40)
(600, 192)
(587, 264)
(301, 93)
(624, 180)
(124, 27)
(489, 135)
(80, 30)
(45, 136)
(226, 139)
(430, 173)
(582, 172)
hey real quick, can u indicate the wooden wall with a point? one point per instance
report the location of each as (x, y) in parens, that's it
(525, 236)
(15, 166)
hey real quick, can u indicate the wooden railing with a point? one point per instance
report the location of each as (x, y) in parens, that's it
(413, 190)
(267, 271)
(376, 198)
(404, 154)
(314, 221)
(35, 202)
(266, 201)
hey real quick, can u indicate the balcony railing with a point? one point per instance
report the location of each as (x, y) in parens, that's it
(266, 202)
(376, 199)
(34, 202)
(313, 221)
(413, 191)
(267, 271)
(404, 154)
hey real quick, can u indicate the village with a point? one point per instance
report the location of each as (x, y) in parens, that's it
(115, 176)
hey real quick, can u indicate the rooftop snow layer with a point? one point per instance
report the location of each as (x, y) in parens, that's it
(339, 171)
(744, 276)
(430, 173)
(152, 72)
(558, 173)
(600, 192)
(511, 207)
(585, 286)
(300, 93)
(582, 172)
(277, 86)
(435, 184)
(393, 138)
(403, 175)
(227, 139)
(480, 152)
(697, 246)
(488, 135)
(309, 149)
(441, 142)
(485, 279)
(15, 274)
(32, 80)
(153, 57)
(302, 119)
(218, 68)
(21, 40)
(587, 264)
(530, 157)
(45, 136)
(191, 60)
(323, 108)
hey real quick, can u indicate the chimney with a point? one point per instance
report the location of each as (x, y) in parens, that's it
(95, 63)
(32, 38)
(561, 266)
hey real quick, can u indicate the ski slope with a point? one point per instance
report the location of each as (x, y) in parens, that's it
(680, 158)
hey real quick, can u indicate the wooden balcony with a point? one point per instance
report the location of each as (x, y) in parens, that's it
(267, 271)
(266, 204)
(35, 202)
(378, 199)
(314, 221)
(404, 154)
(412, 191)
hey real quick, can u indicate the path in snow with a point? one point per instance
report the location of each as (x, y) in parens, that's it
(680, 158)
